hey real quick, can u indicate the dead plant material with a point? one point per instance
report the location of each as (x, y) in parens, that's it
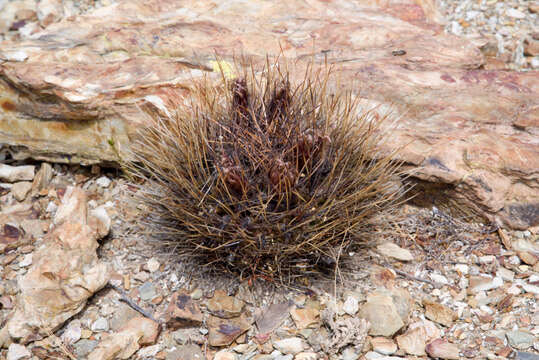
(263, 176)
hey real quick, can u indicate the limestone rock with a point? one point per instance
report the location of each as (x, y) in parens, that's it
(442, 349)
(413, 341)
(223, 331)
(17, 352)
(224, 306)
(469, 133)
(138, 332)
(381, 311)
(182, 311)
(393, 250)
(63, 275)
(292, 345)
(16, 173)
(439, 313)
(42, 178)
(21, 189)
(308, 317)
(383, 345)
(272, 317)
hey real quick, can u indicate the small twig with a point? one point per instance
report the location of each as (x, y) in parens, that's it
(412, 277)
(128, 301)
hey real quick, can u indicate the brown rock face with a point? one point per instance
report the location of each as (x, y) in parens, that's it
(73, 92)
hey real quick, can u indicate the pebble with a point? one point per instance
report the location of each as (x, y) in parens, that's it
(101, 324)
(225, 355)
(26, 260)
(351, 305)
(350, 353)
(21, 189)
(73, 332)
(147, 291)
(83, 347)
(383, 345)
(151, 351)
(393, 250)
(51, 207)
(520, 339)
(514, 13)
(462, 268)
(16, 352)
(505, 274)
(103, 181)
(17, 173)
(442, 349)
(292, 345)
(439, 278)
(153, 265)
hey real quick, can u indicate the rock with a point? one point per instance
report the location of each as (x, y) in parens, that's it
(49, 11)
(351, 305)
(306, 318)
(137, 333)
(33, 227)
(74, 208)
(442, 349)
(223, 332)
(484, 283)
(122, 314)
(73, 332)
(26, 261)
(306, 356)
(528, 257)
(187, 336)
(413, 341)
(101, 324)
(526, 356)
(392, 250)
(16, 352)
(292, 345)
(16, 173)
(103, 181)
(153, 265)
(439, 313)
(531, 289)
(382, 311)
(520, 340)
(100, 221)
(21, 189)
(273, 316)
(225, 355)
(149, 351)
(466, 135)
(83, 347)
(147, 291)
(42, 178)
(64, 273)
(514, 13)
(224, 306)
(383, 345)
(182, 311)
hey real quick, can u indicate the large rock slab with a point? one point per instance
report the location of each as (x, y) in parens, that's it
(74, 91)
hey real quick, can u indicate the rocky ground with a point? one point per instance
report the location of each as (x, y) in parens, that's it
(507, 30)
(74, 265)
(434, 287)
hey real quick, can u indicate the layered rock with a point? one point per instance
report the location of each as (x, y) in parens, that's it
(74, 91)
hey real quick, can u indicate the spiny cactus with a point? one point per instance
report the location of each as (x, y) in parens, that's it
(258, 174)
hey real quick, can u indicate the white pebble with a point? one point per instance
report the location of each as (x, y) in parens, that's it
(103, 181)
